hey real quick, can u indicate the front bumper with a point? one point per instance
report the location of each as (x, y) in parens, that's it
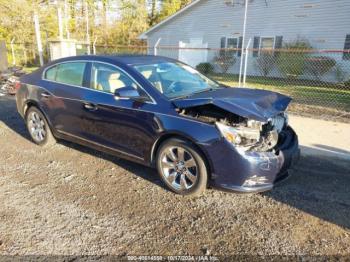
(252, 172)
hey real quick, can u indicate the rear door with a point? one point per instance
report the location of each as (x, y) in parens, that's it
(65, 84)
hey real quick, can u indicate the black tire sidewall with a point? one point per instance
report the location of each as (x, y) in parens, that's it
(201, 183)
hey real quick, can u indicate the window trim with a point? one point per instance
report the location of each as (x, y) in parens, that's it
(152, 101)
(273, 46)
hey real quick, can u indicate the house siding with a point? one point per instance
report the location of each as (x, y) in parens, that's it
(323, 23)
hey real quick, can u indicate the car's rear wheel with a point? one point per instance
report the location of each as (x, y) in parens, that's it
(38, 127)
(182, 167)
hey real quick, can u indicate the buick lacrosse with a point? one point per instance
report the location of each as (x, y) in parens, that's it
(162, 113)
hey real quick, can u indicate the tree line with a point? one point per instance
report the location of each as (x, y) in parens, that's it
(110, 22)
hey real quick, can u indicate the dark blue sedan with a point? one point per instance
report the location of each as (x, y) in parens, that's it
(159, 112)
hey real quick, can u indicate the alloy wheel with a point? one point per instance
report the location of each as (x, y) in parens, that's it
(179, 168)
(36, 126)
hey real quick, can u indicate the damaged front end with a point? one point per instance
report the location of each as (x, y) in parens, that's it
(257, 148)
(245, 134)
(250, 119)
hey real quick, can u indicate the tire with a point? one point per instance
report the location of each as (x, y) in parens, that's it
(182, 167)
(39, 128)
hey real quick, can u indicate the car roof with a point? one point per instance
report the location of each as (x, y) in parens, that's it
(124, 59)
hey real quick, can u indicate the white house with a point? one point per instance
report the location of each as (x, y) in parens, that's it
(211, 24)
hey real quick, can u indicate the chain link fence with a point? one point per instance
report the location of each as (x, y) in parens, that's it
(23, 54)
(317, 80)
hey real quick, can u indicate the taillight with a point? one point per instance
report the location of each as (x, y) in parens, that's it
(17, 85)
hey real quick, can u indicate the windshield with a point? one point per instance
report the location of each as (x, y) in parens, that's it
(175, 79)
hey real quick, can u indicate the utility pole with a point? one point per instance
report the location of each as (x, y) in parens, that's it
(38, 38)
(94, 46)
(246, 62)
(66, 16)
(47, 47)
(87, 27)
(156, 46)
(13, 52)
(243, 42)
(60, 26)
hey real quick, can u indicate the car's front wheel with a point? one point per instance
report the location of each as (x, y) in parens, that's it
(182, 167)
(38, 127)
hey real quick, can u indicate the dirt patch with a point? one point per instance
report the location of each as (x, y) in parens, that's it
(319, 112)
(70, 200)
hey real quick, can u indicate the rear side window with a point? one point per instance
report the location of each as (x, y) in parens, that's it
(67, 73)
(51, 73)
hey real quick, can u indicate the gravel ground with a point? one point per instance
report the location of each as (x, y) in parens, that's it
(70, 200)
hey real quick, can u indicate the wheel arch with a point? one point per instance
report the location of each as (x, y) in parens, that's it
(30, 103)
(168, 136)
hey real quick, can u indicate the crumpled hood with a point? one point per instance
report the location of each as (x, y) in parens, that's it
(254, 104)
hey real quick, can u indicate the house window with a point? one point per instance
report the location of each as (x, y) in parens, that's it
(346, 54)
(267, 43)
(232, 43)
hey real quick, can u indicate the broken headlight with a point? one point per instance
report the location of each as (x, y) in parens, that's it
(240, 135)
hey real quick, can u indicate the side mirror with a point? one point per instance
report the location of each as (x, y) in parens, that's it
(129, 92)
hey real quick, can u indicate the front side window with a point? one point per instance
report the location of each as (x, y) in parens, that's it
(176, 79)
(67, 73)
(108, 79)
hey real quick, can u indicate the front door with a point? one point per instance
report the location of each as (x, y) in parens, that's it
(125, 126)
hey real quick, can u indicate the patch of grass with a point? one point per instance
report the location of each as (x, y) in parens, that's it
(30, 69)
(302, 91)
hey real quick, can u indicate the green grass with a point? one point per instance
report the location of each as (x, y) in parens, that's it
(30, 69)
(302, 91)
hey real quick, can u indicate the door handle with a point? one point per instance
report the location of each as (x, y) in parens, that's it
(90, 107)
(45, 95)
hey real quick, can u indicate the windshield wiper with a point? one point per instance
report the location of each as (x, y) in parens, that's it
(194, 93)
(204, 90)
